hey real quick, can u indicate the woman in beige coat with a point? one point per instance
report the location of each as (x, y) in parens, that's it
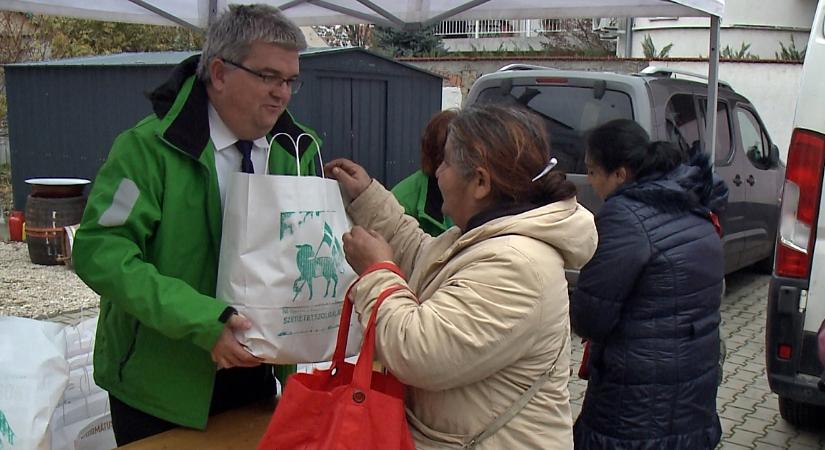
(482, 336)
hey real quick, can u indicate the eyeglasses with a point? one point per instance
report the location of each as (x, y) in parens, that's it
(294, 84)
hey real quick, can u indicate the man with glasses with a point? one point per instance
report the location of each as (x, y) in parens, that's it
(150, 237)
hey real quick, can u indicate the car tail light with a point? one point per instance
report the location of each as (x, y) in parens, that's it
(551, 80)
(784, 351)
(800, 204)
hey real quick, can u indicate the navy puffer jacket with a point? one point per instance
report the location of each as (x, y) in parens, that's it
(649, 303)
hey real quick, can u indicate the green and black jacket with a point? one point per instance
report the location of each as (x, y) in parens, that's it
(149, 244)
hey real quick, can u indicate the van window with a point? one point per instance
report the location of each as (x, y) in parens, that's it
(753, 139)
(681, 123)
(724, 149)
(568, 112)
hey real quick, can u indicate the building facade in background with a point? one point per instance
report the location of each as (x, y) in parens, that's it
(492, 35)
(762, 27)
(750, 30)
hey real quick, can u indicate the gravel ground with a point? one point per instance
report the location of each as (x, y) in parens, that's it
(39, 292)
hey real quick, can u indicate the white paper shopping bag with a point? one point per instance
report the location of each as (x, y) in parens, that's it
(282, 265)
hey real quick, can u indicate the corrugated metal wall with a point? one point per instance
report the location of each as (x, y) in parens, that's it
(368, 108)
(63, 119)
(409, 108)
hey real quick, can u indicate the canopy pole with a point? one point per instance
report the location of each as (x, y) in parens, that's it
(367, 18)
(628, 38)
(457, 10)
(383, 12)
(713, 88)
(166, 15)
(213, 12)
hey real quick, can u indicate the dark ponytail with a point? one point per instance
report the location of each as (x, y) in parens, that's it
(624, 143)
(553, 187)
(662, 157)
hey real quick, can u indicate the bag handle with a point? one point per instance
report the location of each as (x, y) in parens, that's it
(362, 376)
(295, 143)
(346, 312)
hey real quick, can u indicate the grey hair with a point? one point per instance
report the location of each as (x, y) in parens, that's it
(235, 30)
(459, 157)
(486, 123)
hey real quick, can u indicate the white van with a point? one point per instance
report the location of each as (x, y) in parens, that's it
(796, 304)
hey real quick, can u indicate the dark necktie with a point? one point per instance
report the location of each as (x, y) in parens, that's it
(245, 147)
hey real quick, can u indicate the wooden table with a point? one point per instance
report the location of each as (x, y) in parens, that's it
(239, 429)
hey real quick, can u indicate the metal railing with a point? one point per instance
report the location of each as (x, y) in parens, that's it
(497, 28)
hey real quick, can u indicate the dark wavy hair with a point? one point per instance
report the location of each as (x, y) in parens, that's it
(511, 143)
(624, 143)
(433, 140)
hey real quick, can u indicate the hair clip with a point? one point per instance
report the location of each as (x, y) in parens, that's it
(552, 163)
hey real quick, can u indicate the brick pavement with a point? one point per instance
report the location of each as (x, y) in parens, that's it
(747, 408)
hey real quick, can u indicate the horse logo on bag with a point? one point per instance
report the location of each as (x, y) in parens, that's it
(5, 431)
(311, 265)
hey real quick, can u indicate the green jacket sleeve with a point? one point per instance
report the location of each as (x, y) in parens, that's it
(112, 248)
(407, 192)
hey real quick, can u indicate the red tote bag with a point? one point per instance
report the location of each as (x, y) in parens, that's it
(347, 406)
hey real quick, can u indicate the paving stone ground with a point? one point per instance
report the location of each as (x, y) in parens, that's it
(747, 408)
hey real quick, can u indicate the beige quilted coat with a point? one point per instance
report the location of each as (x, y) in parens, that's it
(486, 316)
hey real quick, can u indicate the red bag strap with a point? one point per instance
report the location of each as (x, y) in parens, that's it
(362, 376)
(714, 219)
(346, 311)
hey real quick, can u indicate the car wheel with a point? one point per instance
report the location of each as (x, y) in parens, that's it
(802, 415)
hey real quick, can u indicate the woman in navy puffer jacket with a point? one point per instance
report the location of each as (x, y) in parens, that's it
(649, 299)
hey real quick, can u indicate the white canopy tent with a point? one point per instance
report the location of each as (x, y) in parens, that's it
(405, 14)
(400, 13)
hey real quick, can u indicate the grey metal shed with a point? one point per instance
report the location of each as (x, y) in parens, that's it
(63, 115)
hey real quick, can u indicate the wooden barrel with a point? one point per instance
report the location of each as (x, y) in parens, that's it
(45, 219)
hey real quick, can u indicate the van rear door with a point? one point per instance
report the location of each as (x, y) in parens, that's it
(796, 298)
(810, 116)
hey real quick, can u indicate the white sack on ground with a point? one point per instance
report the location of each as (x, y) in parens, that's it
(81, 420)
(33, 375)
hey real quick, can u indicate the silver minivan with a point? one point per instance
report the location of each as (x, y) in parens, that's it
(671, 106)
(796, 298)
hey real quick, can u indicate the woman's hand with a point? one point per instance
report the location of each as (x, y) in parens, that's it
(351, 176)
(364, 248)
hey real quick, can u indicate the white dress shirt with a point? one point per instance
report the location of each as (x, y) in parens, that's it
(227, 157)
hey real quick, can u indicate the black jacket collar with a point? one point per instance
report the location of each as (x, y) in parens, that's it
(500, 210)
